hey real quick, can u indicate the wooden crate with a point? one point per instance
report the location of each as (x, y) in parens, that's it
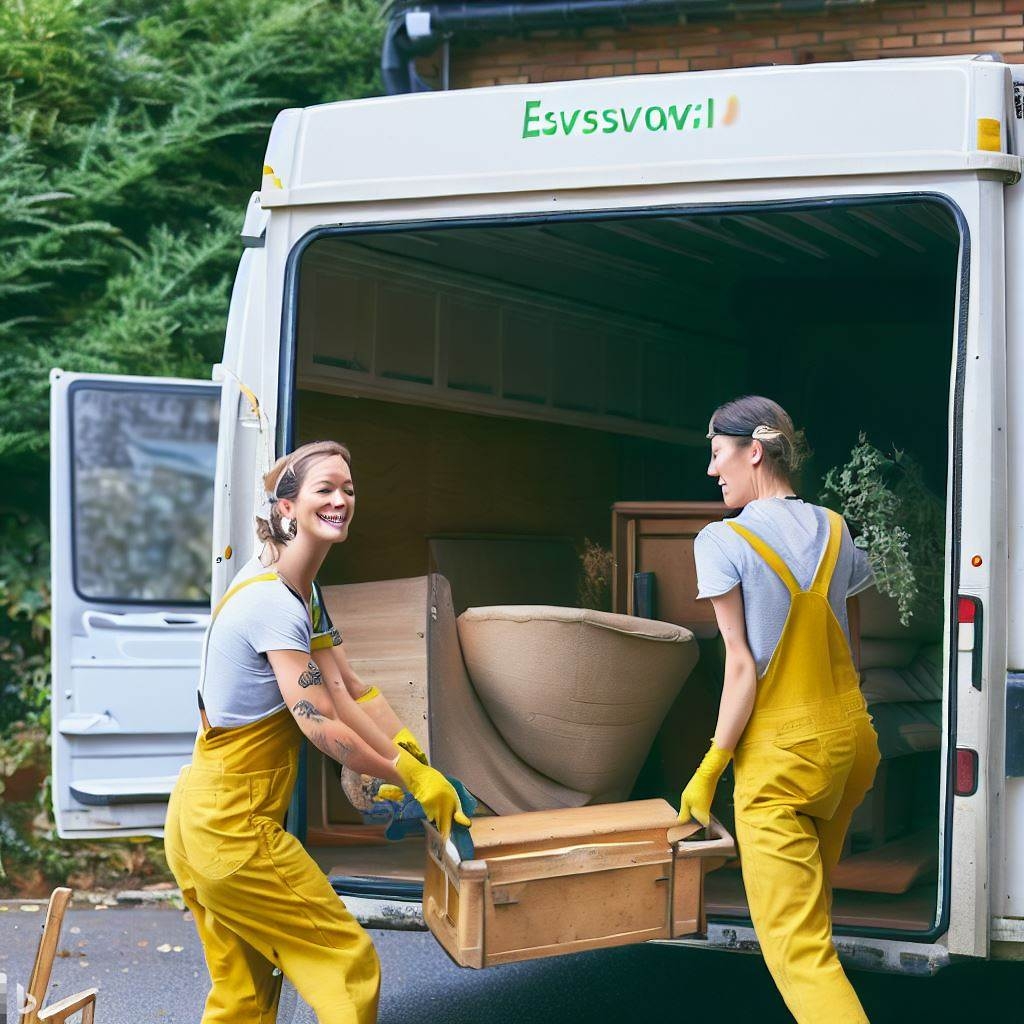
(553, 882)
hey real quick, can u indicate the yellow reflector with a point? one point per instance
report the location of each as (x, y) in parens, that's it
(267, 169)
(988, 134)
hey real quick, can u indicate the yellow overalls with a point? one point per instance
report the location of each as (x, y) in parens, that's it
(805, 761)
(260, 902)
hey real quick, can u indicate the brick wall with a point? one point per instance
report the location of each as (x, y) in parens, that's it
(881, 29)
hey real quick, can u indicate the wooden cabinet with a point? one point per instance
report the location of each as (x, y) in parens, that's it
(657, 537)
(548, 883)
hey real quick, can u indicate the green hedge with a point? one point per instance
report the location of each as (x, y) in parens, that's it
(133, 133)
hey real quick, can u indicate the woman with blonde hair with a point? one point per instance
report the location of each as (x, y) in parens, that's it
(261, 904)
(782, 576)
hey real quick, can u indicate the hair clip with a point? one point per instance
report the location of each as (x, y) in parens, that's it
(263, 512)
(765, 433)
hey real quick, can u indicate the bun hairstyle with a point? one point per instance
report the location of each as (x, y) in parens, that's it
(284, 480)
(754, 418)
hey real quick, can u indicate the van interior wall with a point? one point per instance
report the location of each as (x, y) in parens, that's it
(422, 472)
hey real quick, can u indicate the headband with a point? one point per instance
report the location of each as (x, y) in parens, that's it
(762, 432)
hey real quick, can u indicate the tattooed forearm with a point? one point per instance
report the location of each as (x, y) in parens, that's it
(343, 753)
(304, 709)
(311, 677)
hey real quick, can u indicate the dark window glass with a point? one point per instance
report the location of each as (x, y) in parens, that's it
(142, 492)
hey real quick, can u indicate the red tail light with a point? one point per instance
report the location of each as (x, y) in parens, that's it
(969, 633)
(966, 772)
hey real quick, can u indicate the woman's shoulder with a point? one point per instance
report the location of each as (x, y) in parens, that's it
(258, 593)
(717, 538)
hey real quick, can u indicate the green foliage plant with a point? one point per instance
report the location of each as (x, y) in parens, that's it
(897, 521)
(131, 135)
(594, 586)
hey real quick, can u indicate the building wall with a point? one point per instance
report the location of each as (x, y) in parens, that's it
(705, 42)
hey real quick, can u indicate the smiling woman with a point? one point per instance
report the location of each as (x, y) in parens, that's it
(272, 672)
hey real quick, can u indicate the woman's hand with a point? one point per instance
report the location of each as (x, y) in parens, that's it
(700, 790)
(434, 792)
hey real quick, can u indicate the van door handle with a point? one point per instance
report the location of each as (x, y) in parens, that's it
(93, 620)
(79, 724)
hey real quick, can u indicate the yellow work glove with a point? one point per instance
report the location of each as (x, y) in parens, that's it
(700, 790)
(435, 793)
(405, 740)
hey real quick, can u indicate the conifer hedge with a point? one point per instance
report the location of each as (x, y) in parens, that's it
(133, 133)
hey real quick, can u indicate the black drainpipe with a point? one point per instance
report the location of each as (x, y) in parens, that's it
(415, 29)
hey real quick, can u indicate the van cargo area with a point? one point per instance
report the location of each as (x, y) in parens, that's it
(503, 384)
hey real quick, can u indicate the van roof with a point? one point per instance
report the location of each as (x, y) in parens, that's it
(864, 117)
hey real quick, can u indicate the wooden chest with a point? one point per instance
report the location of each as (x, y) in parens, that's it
(552, 882)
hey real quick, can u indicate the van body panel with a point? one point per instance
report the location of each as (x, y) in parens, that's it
(869, 117)
(126, 454)
(245, 447)
(1008, 882)
(977, 490)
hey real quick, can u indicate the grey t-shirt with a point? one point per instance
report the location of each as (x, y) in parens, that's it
(798, 533)
(238, 685)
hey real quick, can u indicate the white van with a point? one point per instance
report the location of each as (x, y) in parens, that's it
(518, 306)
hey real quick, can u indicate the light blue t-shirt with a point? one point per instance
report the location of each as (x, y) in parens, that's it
(798, 533)
(238, 685)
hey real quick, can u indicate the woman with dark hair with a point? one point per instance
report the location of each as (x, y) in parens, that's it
(261, 904)
(782, 576)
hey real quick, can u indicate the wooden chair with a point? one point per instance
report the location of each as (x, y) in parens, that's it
(32, 1011)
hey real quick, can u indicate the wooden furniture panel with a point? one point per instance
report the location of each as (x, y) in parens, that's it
(384, 628)
(657, 537)
(548, 883)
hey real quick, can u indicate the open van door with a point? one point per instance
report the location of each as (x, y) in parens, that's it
(131, 497)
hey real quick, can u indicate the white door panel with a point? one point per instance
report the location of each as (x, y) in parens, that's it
(132, 462)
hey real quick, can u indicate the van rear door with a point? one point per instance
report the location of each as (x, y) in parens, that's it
(131, 496)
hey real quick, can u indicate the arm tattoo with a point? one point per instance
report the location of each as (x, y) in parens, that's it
(304, 709)
(344, 752)
(311, 677)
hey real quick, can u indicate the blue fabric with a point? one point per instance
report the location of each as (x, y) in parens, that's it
(405, 818)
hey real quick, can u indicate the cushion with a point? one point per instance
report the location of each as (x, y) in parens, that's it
(579, 695)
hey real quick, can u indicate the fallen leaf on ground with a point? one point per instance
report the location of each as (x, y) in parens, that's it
(143, 943)
(165, 948)
(75, 931)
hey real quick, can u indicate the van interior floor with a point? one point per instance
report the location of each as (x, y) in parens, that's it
(401, 862)
(911, 911)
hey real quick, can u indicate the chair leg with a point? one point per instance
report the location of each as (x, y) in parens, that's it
(39, 980)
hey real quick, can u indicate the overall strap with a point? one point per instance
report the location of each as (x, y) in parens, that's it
(770, 556)
(827, 565)
(261, 578)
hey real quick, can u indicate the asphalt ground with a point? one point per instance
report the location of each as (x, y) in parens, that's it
(148, 966)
